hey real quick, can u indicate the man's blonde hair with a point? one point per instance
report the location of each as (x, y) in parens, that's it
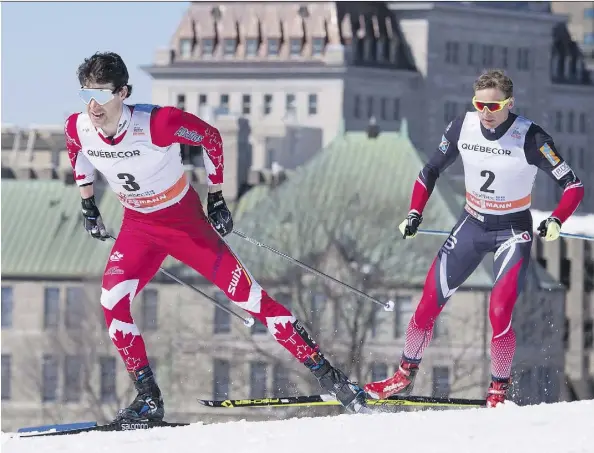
(495, 78)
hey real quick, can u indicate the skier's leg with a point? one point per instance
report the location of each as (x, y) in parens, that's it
(457, 259)
(133, 261)
(511, 261)
(207, 253)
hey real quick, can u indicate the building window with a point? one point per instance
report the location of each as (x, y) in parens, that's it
(589, 39)
(570, 119)
(207, 46)
(369, 106)
(181, 101)
(295, 46)
(222, 319)
(51, 308)
(273, 46)
(185, 48)
(488, 51)
(523, 59)
(504, 57)
(449, 112)
(75, 307)
(267, 104)
(384, 108)
(379, 371)
(471, 59)
(281, 382)
(202, 100)
(260, 327)
(72, 378)
(317, 46)
(150, 309)
(290, 106)
(357, 106)
(452, 52)
(441, 382)
(582, 158)
(224, 101)
(394, 51)
(7, 306)
(258, 379)
(312, 104)
(246, 104)
(229, 46)
(582, 123)
(107, 366)
(558, 122)
(221, 379)
(404, 311)
(396, 110)
(49, 384)
(380, 50)
(251, 47)
(6, 377)
(588, 333)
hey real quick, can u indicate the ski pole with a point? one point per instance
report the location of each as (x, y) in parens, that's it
(249, 322)
(568, 235)
(388, 306)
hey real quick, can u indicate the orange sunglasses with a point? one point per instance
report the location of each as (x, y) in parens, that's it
(491, 106)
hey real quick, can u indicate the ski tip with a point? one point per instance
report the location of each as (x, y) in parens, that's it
(57, 427)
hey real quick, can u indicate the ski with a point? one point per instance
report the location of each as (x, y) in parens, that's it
(329, 400)
(76, 428)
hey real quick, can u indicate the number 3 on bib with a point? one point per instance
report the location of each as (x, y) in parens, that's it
(490, 178)
(129, 182)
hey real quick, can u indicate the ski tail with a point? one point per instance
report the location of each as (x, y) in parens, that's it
(76, 428)
(329, 400)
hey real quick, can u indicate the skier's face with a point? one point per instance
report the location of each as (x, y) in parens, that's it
(492, 106)
(104, 107)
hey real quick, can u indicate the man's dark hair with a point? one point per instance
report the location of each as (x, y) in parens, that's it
(104, 67)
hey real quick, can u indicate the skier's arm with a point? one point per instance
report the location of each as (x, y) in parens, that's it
(171, 125)
(445, 155)
(541, 151)
(82, 169)
(84, 175)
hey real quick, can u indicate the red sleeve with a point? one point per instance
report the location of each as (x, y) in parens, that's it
(569, 202)
(171, 125)
(82, 169)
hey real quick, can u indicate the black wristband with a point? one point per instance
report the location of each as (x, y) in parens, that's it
(89, 203)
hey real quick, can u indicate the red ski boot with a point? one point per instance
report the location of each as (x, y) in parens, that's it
(400, 384)
(497, 393)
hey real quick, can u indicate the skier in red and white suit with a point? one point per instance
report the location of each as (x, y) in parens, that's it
(136, 148)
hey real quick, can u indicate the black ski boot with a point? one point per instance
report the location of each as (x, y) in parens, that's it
(335, 382)
(148, 404)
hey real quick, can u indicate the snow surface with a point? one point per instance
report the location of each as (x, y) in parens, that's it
(576, 224)
(552, 428)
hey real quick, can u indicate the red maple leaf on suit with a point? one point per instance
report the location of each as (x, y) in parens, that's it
(285, 333)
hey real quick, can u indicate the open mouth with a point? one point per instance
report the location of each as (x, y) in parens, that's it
(97, 116)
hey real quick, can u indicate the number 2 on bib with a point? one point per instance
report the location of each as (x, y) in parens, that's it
(490, 178)
(129, 182)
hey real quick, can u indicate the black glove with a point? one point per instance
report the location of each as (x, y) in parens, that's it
(92, 220)
(550, 229)
(410, 225)
(218, 213)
